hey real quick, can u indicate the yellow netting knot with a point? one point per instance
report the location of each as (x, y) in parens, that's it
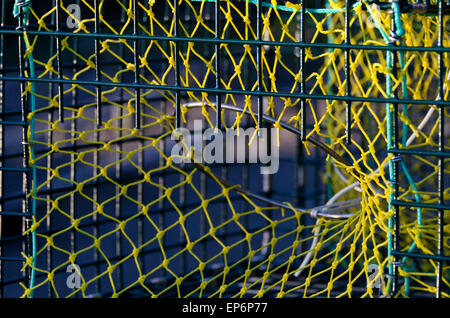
(34, 226)
(171, 62)
(27, 291)
(82, 26)
(330, 285)
(376, 252)
(56, 172)
(188, 179)
(90, 64)
(229, 17)
(97, 243)
(110, 269)
(335, 264)
(281, 294)
(320, 26)
(266, 23)
(274, 241)
(130, 67)
(80, 185)
(272, 78)
(168, 192)
(308, 53)
(271, 258)
(49, 68)
(41, 23)
(135, 132)
(143, 61)
(121, 225)
(353, 246)
(130, 13)
(351, 266)
(187, 65)
(291, 259)
(204, 204)
(28, 260)
(189, 246)
(209, 66)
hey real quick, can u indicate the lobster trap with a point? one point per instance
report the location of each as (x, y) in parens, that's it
(352, 96)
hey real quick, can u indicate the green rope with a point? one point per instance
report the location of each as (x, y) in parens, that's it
(25, 6)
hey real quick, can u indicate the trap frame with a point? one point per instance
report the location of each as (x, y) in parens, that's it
(99, 101)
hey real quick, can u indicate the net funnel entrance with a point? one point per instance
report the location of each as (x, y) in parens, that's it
(348, 99)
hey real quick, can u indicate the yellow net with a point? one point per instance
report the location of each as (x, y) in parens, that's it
(285, 251)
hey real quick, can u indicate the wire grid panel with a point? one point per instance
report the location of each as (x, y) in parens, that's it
(357, 80)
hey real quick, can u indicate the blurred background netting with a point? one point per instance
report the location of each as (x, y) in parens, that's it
(357, 93)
